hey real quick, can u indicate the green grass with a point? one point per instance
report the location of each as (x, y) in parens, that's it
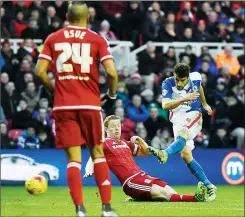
(15, 201)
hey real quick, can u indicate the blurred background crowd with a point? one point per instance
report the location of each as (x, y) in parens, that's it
(25, 112)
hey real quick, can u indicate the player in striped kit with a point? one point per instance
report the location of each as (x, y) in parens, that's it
(134, 181)
(184, 97)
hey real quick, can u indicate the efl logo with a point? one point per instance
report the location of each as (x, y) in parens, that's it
(233, 168)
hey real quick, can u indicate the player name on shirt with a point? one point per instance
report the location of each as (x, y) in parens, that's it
(74, 34)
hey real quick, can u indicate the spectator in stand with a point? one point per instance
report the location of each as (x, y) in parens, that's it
(32, 31)
(8, 56)
(31, 96)
(106, 32)
(230, 28)
(9, 100)
(132, 22)
(220, 139)
(154, 122)
(152, 26)
(28, 138)
(122, 93)
(128, 126)
(51, 12)
(134, 85)
(185, 22)
(44, 140)
(113, 11)
(212, 26)
(137, 111)
(28, 47)
(222, 17)
(43, 117)
(236, 115)
(169, 58)
(187, 7)
(93, 24)
(38, 5)
(55, 26)
(147, 97)
(157, 7)
(18, 25)
(170, 17)
(4, 30)
(168, 33)
(4, 79)
(21, 77)
(22, 117)
(221, 89)
(211, 78)
(202, 14)
(227, 59)
(141, 131)
(35, 14)
(201, 140)
(202, 34)
(239, 35)
(149, 65)
(189, 52)
(188, 35)
(60, 8)
(21, 6)
(162, 139)
(238, 11)
(6, 142)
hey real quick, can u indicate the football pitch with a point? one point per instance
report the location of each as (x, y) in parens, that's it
(15, 201)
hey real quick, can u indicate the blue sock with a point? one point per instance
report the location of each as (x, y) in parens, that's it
(176, 146)
(198, 172)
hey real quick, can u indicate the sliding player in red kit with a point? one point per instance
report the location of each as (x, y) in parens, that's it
(76, 52)
(134, 181)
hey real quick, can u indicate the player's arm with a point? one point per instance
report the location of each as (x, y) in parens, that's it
(142, 146)
(44, 59)
(202, 96)
(203, 101)
(112, 76)
(41, 72)
(168, 103)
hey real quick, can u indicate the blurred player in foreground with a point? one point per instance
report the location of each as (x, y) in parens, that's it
(184, 97)
(135, 182)
(76, 52)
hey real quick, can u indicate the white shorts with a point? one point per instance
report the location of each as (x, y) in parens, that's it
(191, 120)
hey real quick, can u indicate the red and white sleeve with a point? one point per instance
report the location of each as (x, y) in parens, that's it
(104, 50)
(46, 51)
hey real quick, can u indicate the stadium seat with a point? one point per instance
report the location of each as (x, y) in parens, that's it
(14, 134)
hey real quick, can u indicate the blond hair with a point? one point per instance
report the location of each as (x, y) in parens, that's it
(109, 118)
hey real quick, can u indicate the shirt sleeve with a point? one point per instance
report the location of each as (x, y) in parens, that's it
(133, 147)
(196, 78)
(166, 90)
(104, 50)
(46, 52)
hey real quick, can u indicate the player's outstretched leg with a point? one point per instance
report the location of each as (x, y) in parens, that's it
(169, 194)
(198, 172)
(103, 180)
(74, 179)
(174, 148)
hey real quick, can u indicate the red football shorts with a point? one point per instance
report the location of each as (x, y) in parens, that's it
(139, 187)
(78, 127)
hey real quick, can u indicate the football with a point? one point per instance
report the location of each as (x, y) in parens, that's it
(36, 185)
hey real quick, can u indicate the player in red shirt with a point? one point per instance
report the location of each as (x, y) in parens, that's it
(76, 52)
(135, 182)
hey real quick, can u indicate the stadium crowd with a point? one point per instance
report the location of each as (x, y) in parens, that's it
(25, 112)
